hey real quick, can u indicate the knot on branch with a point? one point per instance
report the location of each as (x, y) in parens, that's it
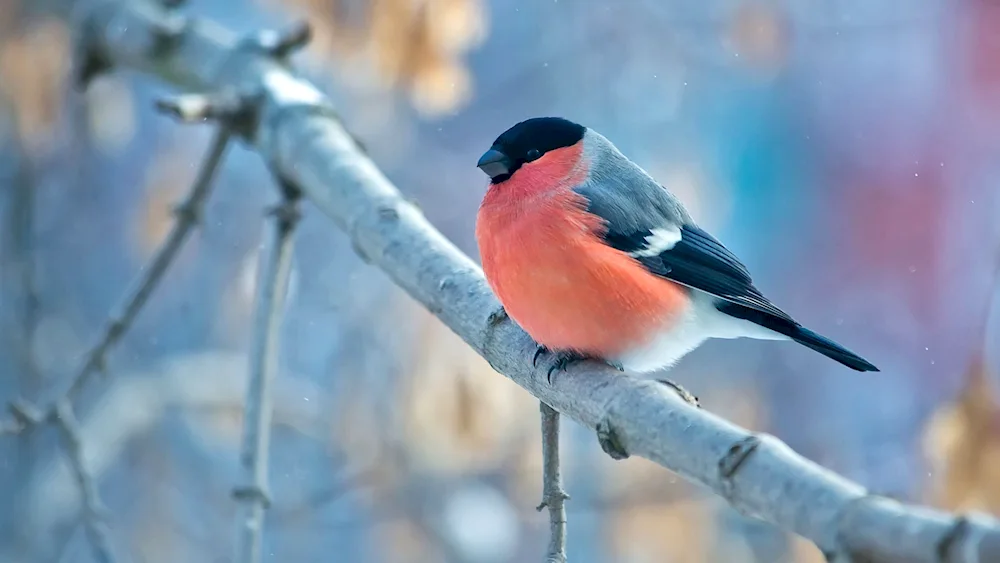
(25, 414)
(729, 464)
(188, 212)
(237, 111)
(388, 213)
(166, 34)
(115, 329)
(953, 539)
(281, 44)
(553, 499)
(287, 212)
(252, 493)
(840, 552)
(90, 60)
(610, 443)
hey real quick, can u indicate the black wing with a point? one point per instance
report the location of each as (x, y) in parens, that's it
(701, 262)
(649, 218)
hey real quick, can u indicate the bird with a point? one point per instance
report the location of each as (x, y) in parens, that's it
(595, 259)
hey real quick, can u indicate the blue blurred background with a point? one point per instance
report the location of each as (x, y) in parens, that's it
(848, 151)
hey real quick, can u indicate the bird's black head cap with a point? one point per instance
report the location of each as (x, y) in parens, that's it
(528, 141)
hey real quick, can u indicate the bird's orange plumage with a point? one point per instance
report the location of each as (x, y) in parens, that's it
(543, 257)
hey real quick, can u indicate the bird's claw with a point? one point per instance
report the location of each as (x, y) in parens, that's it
(538, 352)
(562, 360)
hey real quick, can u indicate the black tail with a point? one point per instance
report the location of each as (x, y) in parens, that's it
(799, 334)
(829, 348)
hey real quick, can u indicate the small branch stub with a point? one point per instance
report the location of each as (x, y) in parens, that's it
(953, 538)
(252, 494)
(237, 111)
(89, 60)
(730, 464)
(282, 44)
(167, 33)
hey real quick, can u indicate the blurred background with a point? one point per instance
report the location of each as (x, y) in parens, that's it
(847, 150)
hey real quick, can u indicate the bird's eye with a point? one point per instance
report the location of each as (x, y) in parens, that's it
(533, 154)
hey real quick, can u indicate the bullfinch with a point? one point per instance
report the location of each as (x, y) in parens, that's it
(595, 259)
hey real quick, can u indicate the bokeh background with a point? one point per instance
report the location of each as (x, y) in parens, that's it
(847, 150)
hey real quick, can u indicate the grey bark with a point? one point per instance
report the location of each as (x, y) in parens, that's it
(270, 299)
(553, 496)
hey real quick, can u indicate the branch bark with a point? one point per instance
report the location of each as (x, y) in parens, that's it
(270, 299)
(300, 136)
(93, 510)
(188, 214)
(60, 412)
(553, 496)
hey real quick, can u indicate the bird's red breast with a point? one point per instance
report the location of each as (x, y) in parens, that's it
(543, 257)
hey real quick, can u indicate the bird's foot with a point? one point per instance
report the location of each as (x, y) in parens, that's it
(566, 358)
(562, 360)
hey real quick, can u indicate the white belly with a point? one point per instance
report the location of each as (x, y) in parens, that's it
(701, 322)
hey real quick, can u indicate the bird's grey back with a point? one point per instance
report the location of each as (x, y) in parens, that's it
(621, 192)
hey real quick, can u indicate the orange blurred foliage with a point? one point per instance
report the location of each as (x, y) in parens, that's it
(962, 442)
(416, 45)
(34, 67)
(760, 35)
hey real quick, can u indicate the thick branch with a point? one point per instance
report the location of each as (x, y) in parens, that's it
(273, 283)
(300, 137)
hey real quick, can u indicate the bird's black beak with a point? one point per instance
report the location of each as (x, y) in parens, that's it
(494, 163)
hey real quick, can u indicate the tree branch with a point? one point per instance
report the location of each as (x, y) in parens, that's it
(188, 215)
(553, 495)
(93, 509)
(19, 268)
(273, 285)
(60, 412)
(300, 137)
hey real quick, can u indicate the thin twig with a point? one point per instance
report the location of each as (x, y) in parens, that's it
(19, 271)
(188, 215)
(93, 510)
(60, 413)
(553, 495)
(273, 284)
